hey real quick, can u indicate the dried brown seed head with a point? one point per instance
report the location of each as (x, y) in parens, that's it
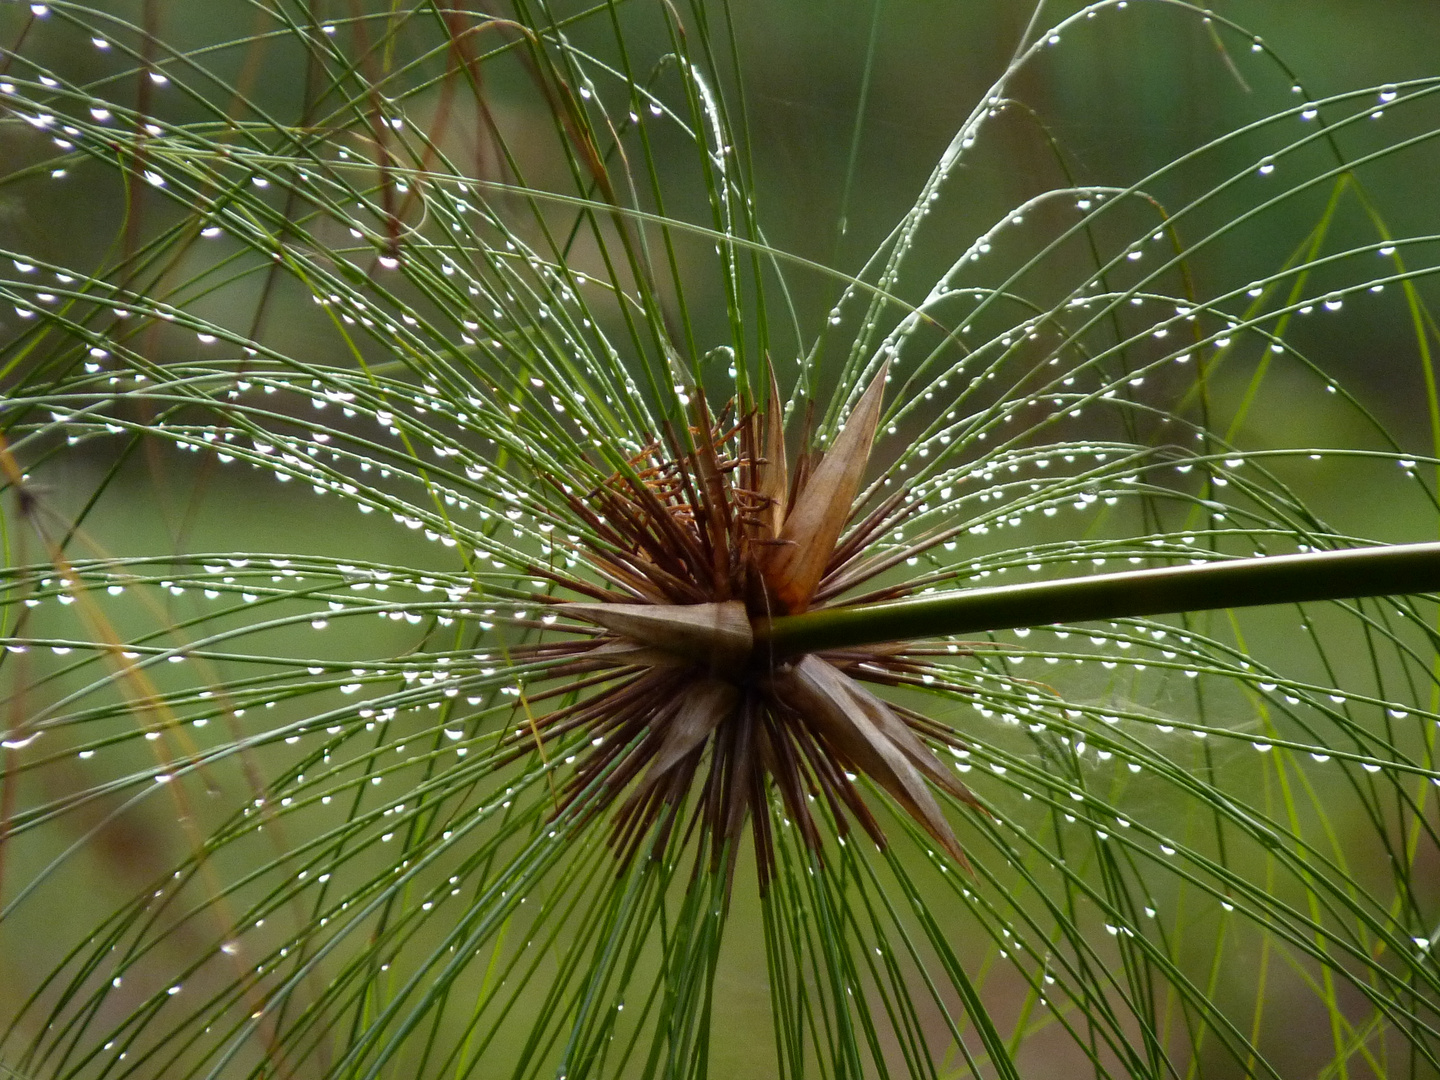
(693, 719)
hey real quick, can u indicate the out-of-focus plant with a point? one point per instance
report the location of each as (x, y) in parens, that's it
(743, 649)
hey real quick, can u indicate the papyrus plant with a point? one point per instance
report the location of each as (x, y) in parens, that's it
(471, 610)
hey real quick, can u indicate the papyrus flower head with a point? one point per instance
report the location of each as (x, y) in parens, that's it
(693, 721)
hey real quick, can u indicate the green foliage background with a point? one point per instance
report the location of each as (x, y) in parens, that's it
(1212, 849)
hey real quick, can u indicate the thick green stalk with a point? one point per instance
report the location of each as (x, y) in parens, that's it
(1281, 579)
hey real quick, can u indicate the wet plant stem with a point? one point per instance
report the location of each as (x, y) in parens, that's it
(1283, 579)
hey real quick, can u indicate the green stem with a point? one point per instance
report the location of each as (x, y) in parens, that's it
(1281, 579)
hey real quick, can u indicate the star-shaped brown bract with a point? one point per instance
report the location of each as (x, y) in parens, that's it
(694, 542)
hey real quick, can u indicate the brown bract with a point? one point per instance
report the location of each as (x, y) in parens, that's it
(688, 721)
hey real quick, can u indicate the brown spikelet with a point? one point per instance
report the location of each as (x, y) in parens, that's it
(792, 569)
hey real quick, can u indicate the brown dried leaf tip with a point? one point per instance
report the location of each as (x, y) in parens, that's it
(686, 719)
